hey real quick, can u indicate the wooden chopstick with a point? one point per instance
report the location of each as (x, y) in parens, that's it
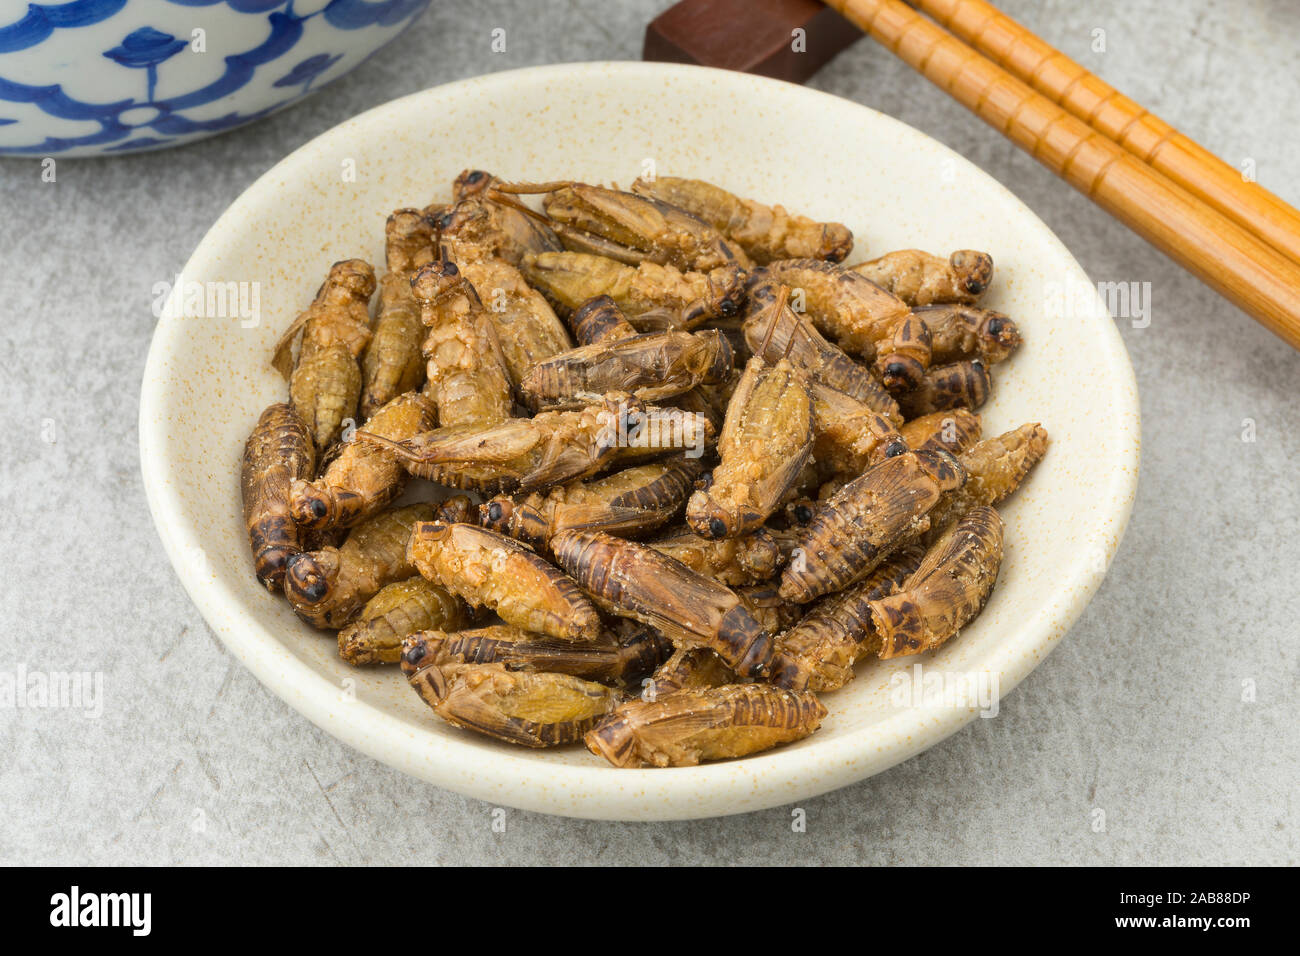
(1145, 135)
(1246, 270)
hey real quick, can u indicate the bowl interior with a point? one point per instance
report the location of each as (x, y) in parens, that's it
(208, 378)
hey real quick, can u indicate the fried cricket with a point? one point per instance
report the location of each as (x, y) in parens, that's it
(617, 659)
(598, 320)
(735, 562)
(919, 278)
(947, 591)
(397, 610)
(504, 229)
(690, 726)
(632, 501)
(859, 315)
(963, 384)
(524, 322)
(964, 332)
(653, 367)
(953, 431)
(364, 477)
(765, 443)
(995, 467)
(818, 653)
(866, 519)
(489, 570)
(848, 437)
(325, 382)
(467, 377)
(774, 331)
(636, 581)
(329, 587)
(392, 364)
(693, 668)
(549, 448)
(570, 279)
(278, 452)
(529, 708)
(627, 227)
(764, 232)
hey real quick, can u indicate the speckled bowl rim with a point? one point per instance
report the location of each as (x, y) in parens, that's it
(598, 792)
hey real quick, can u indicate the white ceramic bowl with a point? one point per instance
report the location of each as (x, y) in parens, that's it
(100, 77)
(207, 380)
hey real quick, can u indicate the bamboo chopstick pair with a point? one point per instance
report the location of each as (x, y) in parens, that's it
(1235, 235)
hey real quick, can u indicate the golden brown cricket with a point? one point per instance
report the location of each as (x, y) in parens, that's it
(329, 587)
(963, 332)
(774, 331)
(652, 367)
(363, 477)
(953, 431)
(818, 653)
(617, 658)
(866, 519)
(525, 324)
(278, 452)
(684, 728)
(688, 299)
(551, 447)
(866, 320)
(848, 437)
(489, 570)
(947, 591)
(902, 361)
(636, 581)
(508, 232)
(735, 562)
(687, 669)
(920, 278)
(632, 501)
(627, 227)
(859, 315)
(764, 232)
(396, 610)
(765, 443)
(598, 320)
(963, 384)
(392, 364)
(995, 467)
(467, 377)
(529, 708)
(325, 382)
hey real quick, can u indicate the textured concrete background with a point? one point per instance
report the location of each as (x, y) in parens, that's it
(1171, 707)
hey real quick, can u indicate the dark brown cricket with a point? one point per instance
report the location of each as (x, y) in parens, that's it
(278, 452)
(636, 581)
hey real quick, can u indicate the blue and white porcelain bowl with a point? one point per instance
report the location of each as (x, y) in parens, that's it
(98, 77)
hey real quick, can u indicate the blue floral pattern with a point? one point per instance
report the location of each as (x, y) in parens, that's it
(307, 71)
(146, 47)
(165, 110)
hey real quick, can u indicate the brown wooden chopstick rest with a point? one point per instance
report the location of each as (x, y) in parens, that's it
(752, 36)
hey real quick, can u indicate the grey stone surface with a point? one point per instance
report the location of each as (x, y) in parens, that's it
(1139, 713)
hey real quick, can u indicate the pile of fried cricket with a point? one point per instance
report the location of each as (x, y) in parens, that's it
(687, 468)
